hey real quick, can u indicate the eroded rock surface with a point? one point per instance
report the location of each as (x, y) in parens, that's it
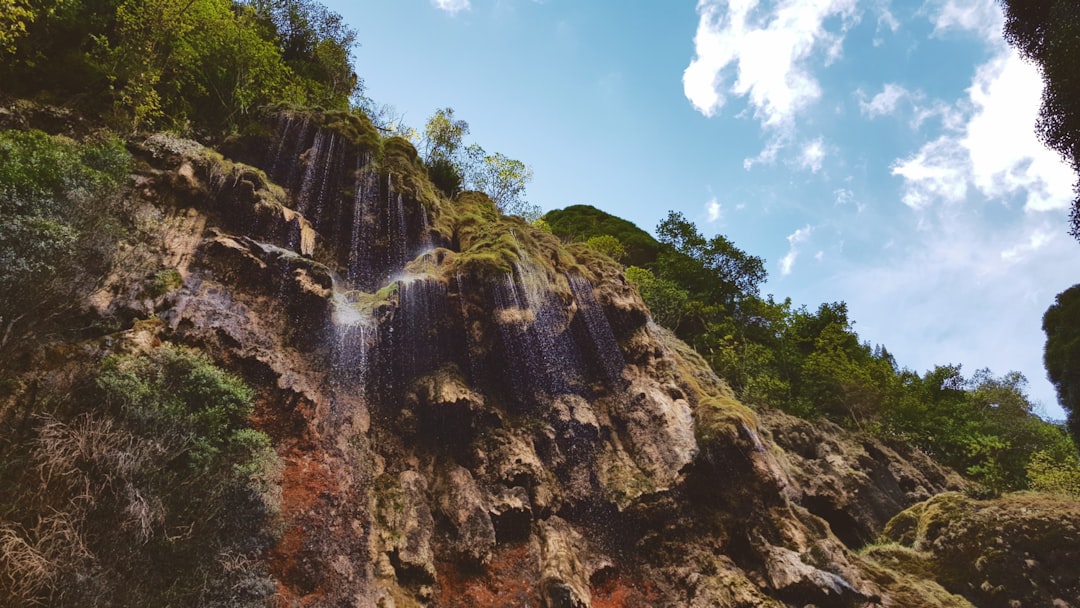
(469, 413)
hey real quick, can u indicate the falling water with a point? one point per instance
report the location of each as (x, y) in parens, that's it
(361, 268)
(605, 347)
(354, 335)
(542, 355)
(311, 172)
(284, 122)
(420, 329)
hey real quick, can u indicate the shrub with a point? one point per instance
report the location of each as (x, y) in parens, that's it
(607, 245)
(1057, 475)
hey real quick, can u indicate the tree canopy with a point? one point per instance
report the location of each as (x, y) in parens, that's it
(1048, 33)
(1062, 354)
(192, 64)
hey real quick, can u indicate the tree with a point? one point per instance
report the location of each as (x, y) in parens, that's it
(443, 136)
(607, 245)
(714, 268)
(15, 15)
(502, 178)
(56, 206)
(1048, 33)
(441, 147)
(1062, 353)
(665, 299)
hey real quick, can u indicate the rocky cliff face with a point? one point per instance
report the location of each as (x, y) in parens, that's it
(470, 413)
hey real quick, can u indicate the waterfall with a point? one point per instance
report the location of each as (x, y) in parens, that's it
(547, 342)
(541, 354)
(354, 334)
(605, 348)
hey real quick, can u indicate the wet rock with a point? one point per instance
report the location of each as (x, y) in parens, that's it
(793, 578)
(407, 527)
(462, 503)
(564, 581)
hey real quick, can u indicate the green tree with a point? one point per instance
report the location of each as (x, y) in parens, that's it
(713, 268)
(1048, 33)
(1061, 323)
(665, 299)
(441, 145)
(582, 222)
(15, 15)
(57, 226)
(607, 245)
(502, 178)
(315, 44)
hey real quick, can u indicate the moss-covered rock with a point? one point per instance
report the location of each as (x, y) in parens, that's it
(1017, 550)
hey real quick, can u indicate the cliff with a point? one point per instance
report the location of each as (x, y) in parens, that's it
(465, 411)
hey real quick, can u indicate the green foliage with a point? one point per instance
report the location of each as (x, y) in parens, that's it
(202, 64)
(714, 268)
(667, 302)
(316, 45)
(1056, 474)
(1062, 353)
(151, 490)
(57, 203)
(607, 245)
(502, 178)
(179, 395)
(453, 168)
(15, 15)
(443, 136)
(1048, 33)
(582, 222)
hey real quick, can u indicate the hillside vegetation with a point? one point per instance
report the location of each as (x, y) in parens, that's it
(812, 363)
(328, 361)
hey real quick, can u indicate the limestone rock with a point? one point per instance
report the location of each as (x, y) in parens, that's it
(462, 503)
(1016, 550)
(852, 480)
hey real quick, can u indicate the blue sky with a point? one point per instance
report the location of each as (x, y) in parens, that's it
(878, 152)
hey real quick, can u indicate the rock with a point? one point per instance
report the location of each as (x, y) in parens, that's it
(981, 549)
(461, 502)
(408, 527)
(852, 480)
(564, 581)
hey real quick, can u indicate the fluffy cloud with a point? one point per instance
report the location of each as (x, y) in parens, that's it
(885, 102)
(713, 210)
(966, 290)
(981, 16)
(813, 155)
(451, 6)
(993, 149)
(794, 240)
(762, 51)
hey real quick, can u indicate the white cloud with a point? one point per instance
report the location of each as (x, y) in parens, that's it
(794, 240)
(887, 19)
(713, 210)
(845, 197)
(989, 145)
(763, 51)
(966, 289)
(451, 6)
(1038, 239)
(981, 16)
(767, 155)
(813, 155)
(938, 172)
(885, 102)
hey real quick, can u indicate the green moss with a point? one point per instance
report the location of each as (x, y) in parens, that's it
(161, 283)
